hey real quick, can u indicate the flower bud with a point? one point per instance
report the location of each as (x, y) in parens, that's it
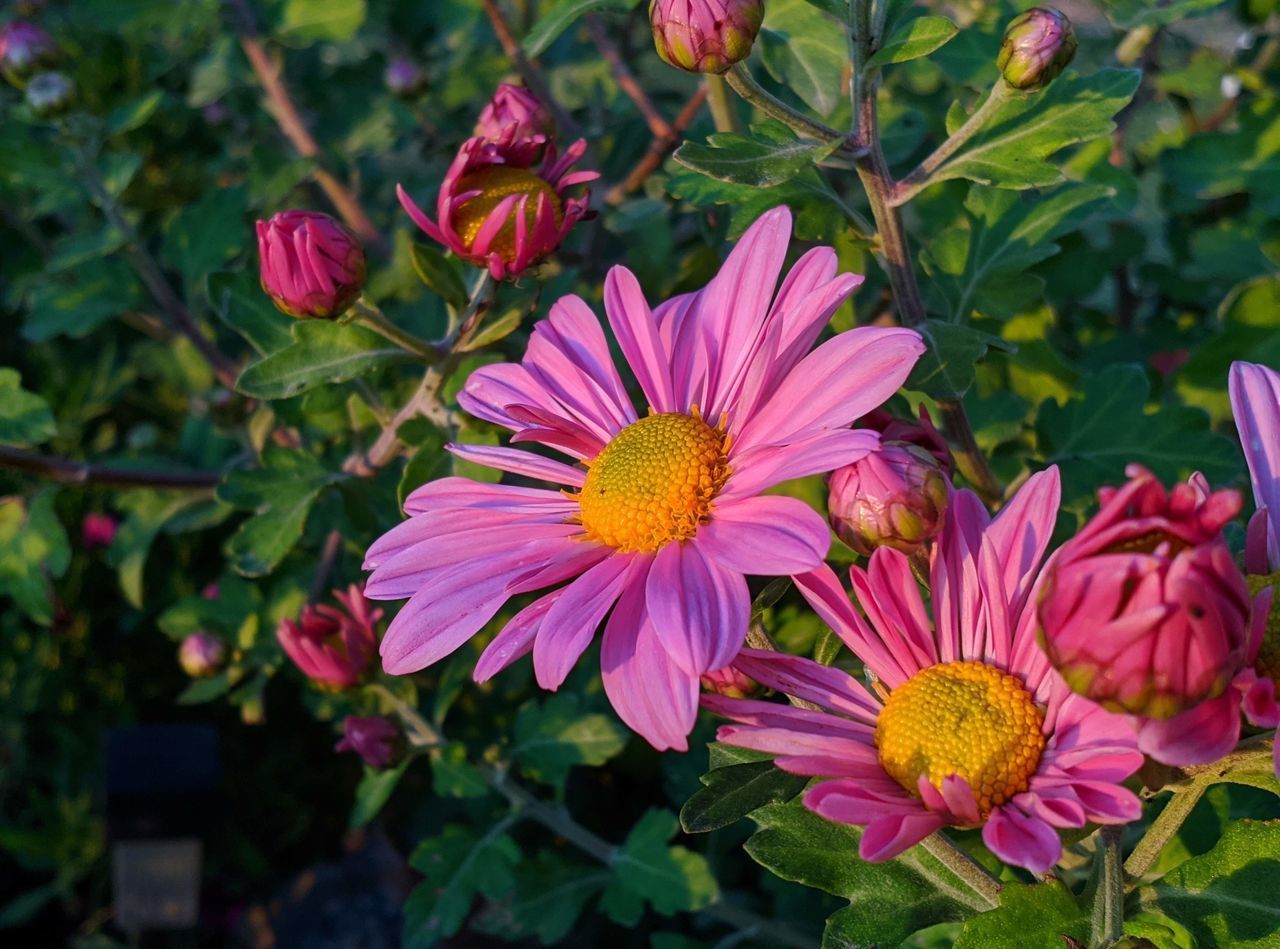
(333, 646)
(49, 94)
(201, 655)
(922, 434)
(98, 531)
(26, 49)
(373, 738)
(894, 497)
(730, 683)
(514, 105)
(705, 35)
(312, 266)
(404, 78)
(1037, 46)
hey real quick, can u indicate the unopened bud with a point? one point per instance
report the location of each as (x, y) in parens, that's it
(894, 497)
(50, 94)
(730, 683)
(1037, 46)
(311, 266)
(705, 36)
(26, 49)
(404, 78)
(201, 655)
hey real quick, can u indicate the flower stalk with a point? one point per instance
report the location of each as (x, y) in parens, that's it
(1163, 829)
(373, 317)
(968, 870)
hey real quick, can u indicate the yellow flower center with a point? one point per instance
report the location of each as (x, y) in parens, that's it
(496, 183)
(1268, 661)
(965, 718)
(654, 482)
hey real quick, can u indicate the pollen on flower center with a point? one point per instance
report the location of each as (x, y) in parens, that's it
(964, 718)
(495, 183)
(654, 482)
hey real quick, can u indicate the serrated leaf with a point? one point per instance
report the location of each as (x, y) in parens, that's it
(915, 38)
(1226, 897)
(1027, 916)
(806, 51)
(239, 301)
(747, 161)
(671, 879)
(374, 790)
(548, 898)
(1013, 148)
(562, 16)
(25, 418)
(309, 21)
(734, 792)
(435, 270)
(457, 865)
(453, 775)
(949, 367)
(322, 352)
(554, 735)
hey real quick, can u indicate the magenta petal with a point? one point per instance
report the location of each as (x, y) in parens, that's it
(698, 608)
(521, 463)
(571, 623)
(960, 800)
(763, 467)
(1024, 841)
(1199, 735)
(637, 333)
(515, 640)
(766, 536)
(1255, 402)
(886, 837)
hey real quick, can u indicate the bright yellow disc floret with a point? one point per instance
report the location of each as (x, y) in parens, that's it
(654, 482)
(496, 183)
(964, 718)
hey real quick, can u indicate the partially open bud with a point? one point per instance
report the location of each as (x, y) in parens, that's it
(516, 106)
(1037, 46)
(49, 94)
(730, 683)
(333, 646)
(894, 497)
(201, 655)
(705, 35)
(311, 266)
(373, 738)
(404, 78)
(26, 49)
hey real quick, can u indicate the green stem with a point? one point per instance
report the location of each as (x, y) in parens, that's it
(428, 736)
(1112, 890)
(373, 318)
(745, 85)
(922, 177)
(723, 114)
(964, 867)
(1162, 830)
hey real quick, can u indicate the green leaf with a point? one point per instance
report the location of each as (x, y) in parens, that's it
(456, 866)
(734, 792)
(239, 301)
(1126, 14)
(1226, 897)
(948, 369)
(132, 115)
(1011, 151)
(25, 418)
(309, 21)
(915, 38)
(561, 16)
(322, 352)
(1247, 325)
(439, 275)
(495, 330)
(1027, 916)
(373, 792)
(207, 234)
(554, 735)
(33, 548)
(548, 898)
(805, 51)
(747, 161)
(453, 775)
(280, 494)
(1083, 437)
(428, 461)
(200, 691)
(149, 511)
(671, 879)
(888, 901)
(77, 301)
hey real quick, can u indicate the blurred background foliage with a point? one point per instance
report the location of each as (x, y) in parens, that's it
(1088, 322)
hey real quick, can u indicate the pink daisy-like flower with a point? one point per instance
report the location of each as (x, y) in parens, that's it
(1255, 401)
(665, 515)
(495, 210)
(971, 725)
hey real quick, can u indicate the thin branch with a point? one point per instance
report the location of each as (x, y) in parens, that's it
(295, 128)
(324, 566)
(745, 85)
(723, 112)
(1111, 892)
(658, 150)
(1162, 830)
(527, 68)
(922, 176)
(65, 471)
(963, 866)
(625, 79)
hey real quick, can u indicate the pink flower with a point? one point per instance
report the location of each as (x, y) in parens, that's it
(1146, 612)
(971, 725)
(1037, 46)
(921, 434)
(200, 655)
(669, 514)
(25, 49)
(495, 211)
(894, 497)
(373, 738)
(705, 35)
(517, 117)
(1255, 401)
(98, 530)
(312, 266)
(729, 681)
(333, 646)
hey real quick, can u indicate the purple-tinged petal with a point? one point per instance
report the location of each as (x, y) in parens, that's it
(570, 625)
(637, 335)
(1021, 840)
(767, 535)
(521, 463)
(515, 640)
(767, 465)
(1197, 736)
(1255, 402)
(698, 608)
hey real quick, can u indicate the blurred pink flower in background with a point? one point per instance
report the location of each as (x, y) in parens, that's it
(25, 49)
(201, 655)
(373, 738)
(404, 78)
(311, 265)
(98, 531)
(332, 645)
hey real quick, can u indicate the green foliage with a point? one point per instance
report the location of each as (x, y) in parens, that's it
(456, 866)
(553, 736)
(25, 418)
(321, 352)
(733, 792)
(669, 878)
(745, 161)
(805, 52)
(913, 39)
(1029, 917)
(33, 549)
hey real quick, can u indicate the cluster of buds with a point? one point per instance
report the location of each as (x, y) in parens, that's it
(1146, 613)
(897, 495)
(332, 645)
(375, 739)
(706, 36)
(312, 266)
(201, 655)
(504, 203)
(1037, 47)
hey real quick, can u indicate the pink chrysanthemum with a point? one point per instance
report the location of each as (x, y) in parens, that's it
(495, 210)
(973, 727)
(332, 645)
(1255, 401)
(666, 514)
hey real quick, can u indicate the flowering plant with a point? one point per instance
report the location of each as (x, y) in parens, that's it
(696, 472)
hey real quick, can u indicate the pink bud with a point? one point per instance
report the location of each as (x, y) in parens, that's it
(705, 36)
(373, 738)
(332, 645)
(26, 49)
(922, 434)
(894, 497)
(404, 78)
(311, 266)
(730, 683)
(98, 531)
(516, 106)
(201, 655)
(1037, 46)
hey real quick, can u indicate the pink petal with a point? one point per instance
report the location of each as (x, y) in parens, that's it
(1021, 840)
(637, 335)
(521, 463)
(823, 592)
(767, 465)
(766, 535)
(1020, 532)
(824, 685)
(886, 837)
(1198, 736)
(516, 639)
(1255, 402)
(571, 623)
(698, 607)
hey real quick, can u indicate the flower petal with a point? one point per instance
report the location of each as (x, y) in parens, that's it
(1255, 402)
(698, 608)
(637, 334)
(766, 535)
(571, 623)
(1197, 736)
(1021, 840)
(515, 640)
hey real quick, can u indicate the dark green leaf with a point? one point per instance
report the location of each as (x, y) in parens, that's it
(33, 548)
(309, 21)
(915, 38)
(25, 418)
(741, 160)
(805, 51)
(671, 879)
(440, 275)
(207, 234)
(1127, 14)
(322, 352)
(1027, 916)
(548, 898)
(149, 511)
(561, 16)
(374, 790)
(239, 301)
(948, 369)
(734, 792)
(428, 461)
(456, 866)
(453, 775)
(554, 735)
